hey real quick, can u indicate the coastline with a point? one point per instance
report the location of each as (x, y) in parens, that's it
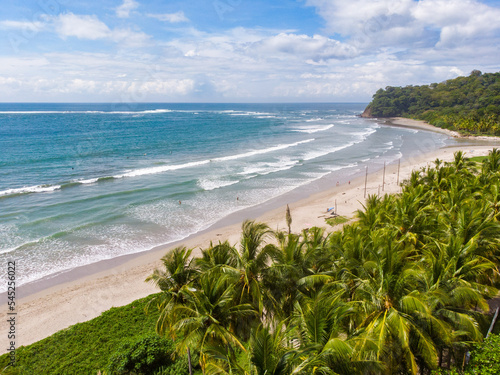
(84, 294)
(422, 125)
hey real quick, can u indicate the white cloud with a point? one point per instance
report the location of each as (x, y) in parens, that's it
(170, 17)
(22, 25)
(383, 42)
(123, 11)
(129, 38)
(316, 48)
(408, 23)
(91, 28)
(81, 27)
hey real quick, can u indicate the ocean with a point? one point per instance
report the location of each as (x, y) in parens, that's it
(80, 183)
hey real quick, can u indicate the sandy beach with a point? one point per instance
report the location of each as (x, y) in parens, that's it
(87, 292)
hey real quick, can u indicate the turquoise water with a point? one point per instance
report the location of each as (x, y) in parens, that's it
(81, 183)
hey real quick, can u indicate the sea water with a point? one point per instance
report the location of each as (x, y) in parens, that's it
(80, 183)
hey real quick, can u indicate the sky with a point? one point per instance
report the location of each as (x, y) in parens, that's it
(238, 50)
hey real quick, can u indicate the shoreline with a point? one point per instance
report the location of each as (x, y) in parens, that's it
(422, 125)
(85, 292)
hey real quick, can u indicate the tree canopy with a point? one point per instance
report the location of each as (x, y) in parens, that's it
(467, 104)
(402, 290)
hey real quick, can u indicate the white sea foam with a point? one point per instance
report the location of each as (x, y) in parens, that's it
(165, 168)
(247, 113)
(312, 129)
(150, 170)
(30, 189)
(10, 238)
(361, 136)
(339, 167)
(212, 184)
(157, 111)
(325, 151)
(314, 119)
(262, 151)
(148, 111)
(89, 181)
(266, 168)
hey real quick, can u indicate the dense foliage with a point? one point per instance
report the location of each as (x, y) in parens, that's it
(86, 347)
(146, 354)
(485, 359)
(468, 104)
(401, 291)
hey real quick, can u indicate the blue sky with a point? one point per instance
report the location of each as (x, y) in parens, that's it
(238, 50)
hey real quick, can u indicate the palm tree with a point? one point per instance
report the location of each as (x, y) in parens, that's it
(492, 163)
(281, 278)
(251, 262)
(320, 322)
(392, 309)
(371, 215)
(269, 352)
(217, 256)
(454, 291)
(207, 318)
(317, 256)
(179, 272)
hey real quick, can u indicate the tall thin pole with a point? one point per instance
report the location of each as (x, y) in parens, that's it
(399, 165)
(383, 178)
(189, 362)
(366, 178)
(493, 321)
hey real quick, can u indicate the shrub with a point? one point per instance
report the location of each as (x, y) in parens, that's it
(143, 355)
(485, 357)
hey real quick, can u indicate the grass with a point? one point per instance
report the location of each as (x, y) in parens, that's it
(85, 347)
(337, 220)
(478, 159)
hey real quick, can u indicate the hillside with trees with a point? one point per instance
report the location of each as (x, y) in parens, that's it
(470, 105)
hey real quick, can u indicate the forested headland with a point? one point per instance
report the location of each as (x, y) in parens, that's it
(470, 105)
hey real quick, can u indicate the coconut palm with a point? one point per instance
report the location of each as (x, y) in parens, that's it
(178, 272)
(207, 318)
(455, 292)
(321, 338)
(317, 256)
(251, 263)
(220, 255)
(280, 279)
(392, 308)
(492, 163)
(269, 352)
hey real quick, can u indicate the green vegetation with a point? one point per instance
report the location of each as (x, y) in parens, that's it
(478, 159)
(485, 359)
(466, 104)
(337, 220)
(402, 290)
(146, 354)
(86, 348)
